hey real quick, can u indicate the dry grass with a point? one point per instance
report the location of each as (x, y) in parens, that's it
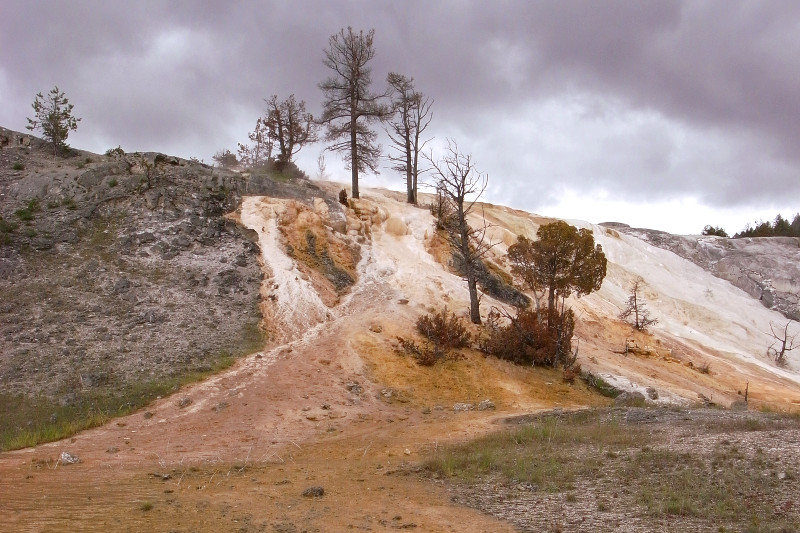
(636, 470)
(30, 421)
(472, 378)
(551, 454)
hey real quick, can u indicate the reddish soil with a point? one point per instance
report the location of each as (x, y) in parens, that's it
(339, 408)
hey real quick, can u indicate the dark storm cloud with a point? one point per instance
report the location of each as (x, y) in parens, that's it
(649, 100)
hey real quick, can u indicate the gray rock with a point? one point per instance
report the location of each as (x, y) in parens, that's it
(145, 237)
(354, 387)
(182, 241)
(460, 407)
(739, 405)
(122, 285)
(67, 458)
(486, 405)
(314, 492)
(629, 398)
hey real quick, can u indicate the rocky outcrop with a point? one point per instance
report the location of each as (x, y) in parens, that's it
(767, 268)
(13, 139)
(123, 268)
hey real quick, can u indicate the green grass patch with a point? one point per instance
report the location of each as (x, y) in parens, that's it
(26, 214)
(735, 487)
(6, 229)
(26, 421)
(723, 485)
(600, 385)
(549, 453)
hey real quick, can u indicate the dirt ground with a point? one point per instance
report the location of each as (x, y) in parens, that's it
(337, 408)
(239, 456)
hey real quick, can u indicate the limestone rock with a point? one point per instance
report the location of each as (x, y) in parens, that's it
(395, 226)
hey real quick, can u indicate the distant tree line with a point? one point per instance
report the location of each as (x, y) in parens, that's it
(780, 227)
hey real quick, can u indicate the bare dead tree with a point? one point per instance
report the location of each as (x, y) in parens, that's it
(460, 185)
(412, 114)
(289, 127)
(636, 311)
(784, 343)
(349, 105)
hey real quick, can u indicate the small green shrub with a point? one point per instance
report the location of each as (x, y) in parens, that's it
(115, 152)
(6, 227)
(18, 165)
(600, 385)
(26, 213)
(113, 182)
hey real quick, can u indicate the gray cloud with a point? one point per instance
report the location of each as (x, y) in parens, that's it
(650, 101)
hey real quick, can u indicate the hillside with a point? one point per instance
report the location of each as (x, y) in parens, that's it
(121, 268)
(112, 286)
(766, 268)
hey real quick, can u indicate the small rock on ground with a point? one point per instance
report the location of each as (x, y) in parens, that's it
(314, 492)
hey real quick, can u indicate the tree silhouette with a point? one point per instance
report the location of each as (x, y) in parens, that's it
(412, 114)
(459, 185)
(349, 105)
(289, 127)
(53, 117)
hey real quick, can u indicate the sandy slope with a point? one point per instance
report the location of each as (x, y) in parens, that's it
(702, 319)
(331, 403)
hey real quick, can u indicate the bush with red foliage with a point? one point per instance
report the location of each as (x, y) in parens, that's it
(443, 332)
(528, 339)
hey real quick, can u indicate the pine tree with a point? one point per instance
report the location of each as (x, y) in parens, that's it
(53, 117)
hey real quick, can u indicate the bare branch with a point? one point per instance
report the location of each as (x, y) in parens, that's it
(784, 342)
(457, 180)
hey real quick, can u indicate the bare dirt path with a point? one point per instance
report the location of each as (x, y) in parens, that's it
(330, 405)
(235, 452)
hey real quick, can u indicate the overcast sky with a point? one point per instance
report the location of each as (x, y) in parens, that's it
(662, 114)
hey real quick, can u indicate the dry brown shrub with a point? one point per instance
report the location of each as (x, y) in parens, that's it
(443, 332)
(571, 372)
(527, 339)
